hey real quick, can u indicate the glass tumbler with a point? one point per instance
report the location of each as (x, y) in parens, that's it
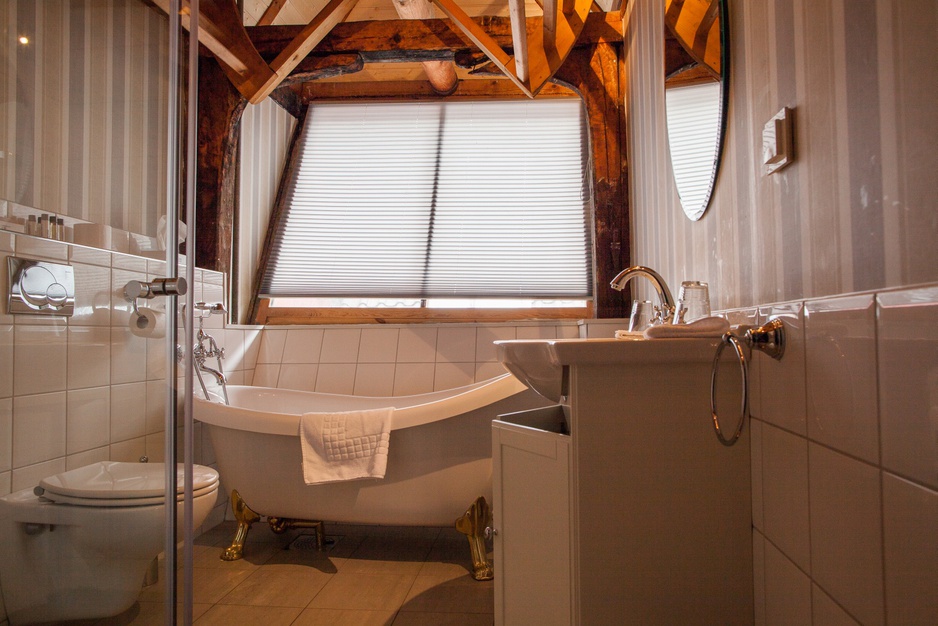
(643, 312)
(694, 301)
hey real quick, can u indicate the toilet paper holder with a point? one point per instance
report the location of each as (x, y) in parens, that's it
(137, 289)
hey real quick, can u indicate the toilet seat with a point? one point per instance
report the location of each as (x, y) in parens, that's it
(111, 483)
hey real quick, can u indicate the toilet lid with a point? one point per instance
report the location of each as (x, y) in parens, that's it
(120, 502)
(111, 480)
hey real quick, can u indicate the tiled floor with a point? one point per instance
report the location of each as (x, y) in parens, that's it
(371, 575)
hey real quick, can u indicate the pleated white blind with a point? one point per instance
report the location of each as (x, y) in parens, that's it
(693, 114)
(421, 200)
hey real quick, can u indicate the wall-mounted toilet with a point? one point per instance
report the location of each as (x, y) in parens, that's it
(82, 548)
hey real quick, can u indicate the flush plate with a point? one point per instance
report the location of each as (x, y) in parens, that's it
(40, 287)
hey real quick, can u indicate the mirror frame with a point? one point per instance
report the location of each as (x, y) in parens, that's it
(723, 113)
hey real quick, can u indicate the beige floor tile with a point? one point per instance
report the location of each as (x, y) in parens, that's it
(447, 595)
(146, 614)
(344, 617)
(211, 585)
(239, 615)
(371, 592)
(443, 619)
(255, 554)
(268, 587)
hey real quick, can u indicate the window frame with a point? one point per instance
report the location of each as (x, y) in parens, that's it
(262, 313)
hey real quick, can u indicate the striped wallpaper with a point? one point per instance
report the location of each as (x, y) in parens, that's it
(857, 209)
(84, 108)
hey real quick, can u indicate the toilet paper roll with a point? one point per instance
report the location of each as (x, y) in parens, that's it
(147, 322)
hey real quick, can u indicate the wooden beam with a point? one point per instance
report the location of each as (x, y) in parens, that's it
(221, 32)
(550, 8)
(418, 90)
(696, 25)
(441, 74)
(271, 13)
(519, 37)
(301, 45)
(388, 38)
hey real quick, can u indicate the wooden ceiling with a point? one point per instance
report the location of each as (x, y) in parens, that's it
(543, 32)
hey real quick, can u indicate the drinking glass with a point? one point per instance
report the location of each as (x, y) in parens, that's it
(643, 312)
(694, 301)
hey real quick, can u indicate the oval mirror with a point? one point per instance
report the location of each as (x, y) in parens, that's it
(696, 84)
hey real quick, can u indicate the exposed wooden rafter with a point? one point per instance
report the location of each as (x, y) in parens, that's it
(441, 74)
(696, 26)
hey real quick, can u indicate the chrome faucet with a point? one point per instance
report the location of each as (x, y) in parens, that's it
(665, 309)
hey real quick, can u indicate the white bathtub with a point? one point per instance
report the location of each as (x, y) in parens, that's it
(439, 460)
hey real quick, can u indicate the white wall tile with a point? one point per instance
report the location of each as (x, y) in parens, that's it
(266, 375)
(486, 371)
(456, 345)
(413, 378)
(6, 486)
(128, 411)
(568, 331)
(755, 458)
(92, 296)
(846, 532)
(340, 345)
(128, 357)
(39, 248)
(908, 382)
(156, 356)
(750, 317)
(252, 344)
(6, 360)
(452, 375)
(130, 451)
(486, 335)
(374, 379)
(129, 262)
(910, 529)
(89, 356)
(303, 345)
(300, 376)
(785, 494)
(782, 383)
(154, 447)
(826, 612)
(758, 578)
(81, 459)
(236, 377)
(541, 331)
(379, 345)
(88, 420)
(417, 345)
(38, 428)
(6, 434)
(840, 366)
(233, 343)
(29, 476)
(156, 406)
(336, 378)
(89, 256)
(271, 348)
(787, 591)
(40, 355)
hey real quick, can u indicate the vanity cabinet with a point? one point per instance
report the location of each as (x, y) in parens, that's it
(532, 518)
(639, 515)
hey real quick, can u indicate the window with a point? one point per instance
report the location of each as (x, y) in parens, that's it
(425, 204)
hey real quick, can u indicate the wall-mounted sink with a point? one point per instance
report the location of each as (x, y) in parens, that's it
(539, 363)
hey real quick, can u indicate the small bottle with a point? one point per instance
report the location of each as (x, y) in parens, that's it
(32, 226)
(44, 225)
(53, 228)
(60, 229)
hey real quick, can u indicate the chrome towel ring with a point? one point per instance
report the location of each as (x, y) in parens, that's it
(769, 339)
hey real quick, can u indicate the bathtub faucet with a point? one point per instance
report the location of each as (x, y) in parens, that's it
(200, 353)
(665, 300)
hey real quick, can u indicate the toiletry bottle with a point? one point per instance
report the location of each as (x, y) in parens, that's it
(60, 229)
(53, 228)
(44, 225)
(32, 226)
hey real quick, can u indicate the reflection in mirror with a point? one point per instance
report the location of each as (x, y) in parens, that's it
(696, 85)
(82, 120)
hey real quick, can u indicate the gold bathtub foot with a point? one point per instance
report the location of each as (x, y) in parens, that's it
(280, 525)
(245, 517)
(472, 524)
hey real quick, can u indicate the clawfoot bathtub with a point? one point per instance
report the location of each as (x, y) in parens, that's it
(439, 459)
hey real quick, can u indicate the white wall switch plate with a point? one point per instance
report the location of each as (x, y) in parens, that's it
(777, 142)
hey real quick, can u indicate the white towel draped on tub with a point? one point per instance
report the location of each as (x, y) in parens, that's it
(345, 446)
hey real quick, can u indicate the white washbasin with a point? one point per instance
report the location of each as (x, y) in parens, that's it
(539, 363)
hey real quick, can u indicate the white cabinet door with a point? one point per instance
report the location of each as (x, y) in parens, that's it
(531, 511)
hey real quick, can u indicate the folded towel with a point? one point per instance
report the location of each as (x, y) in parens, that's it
(345, 446)
(704, 327)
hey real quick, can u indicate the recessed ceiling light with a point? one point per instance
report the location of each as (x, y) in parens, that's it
(23, 39)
